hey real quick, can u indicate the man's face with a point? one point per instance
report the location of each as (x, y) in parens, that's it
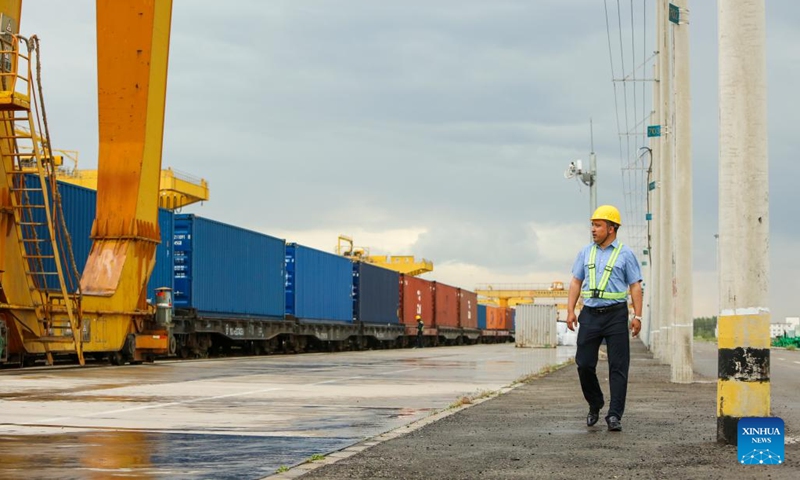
(600, 231)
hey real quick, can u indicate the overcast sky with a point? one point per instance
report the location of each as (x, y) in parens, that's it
(435, 128)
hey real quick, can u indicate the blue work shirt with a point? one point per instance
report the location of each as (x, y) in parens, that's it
(625, 272)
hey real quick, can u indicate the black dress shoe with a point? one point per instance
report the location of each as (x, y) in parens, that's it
(614, 425)
(592, 418)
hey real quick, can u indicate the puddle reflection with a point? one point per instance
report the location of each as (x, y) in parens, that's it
(132, 454)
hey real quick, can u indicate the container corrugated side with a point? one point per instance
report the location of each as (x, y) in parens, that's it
(376, 298)
(445, 305)
(79, 205)
(482, 316)
(227, 271)
(416, 299)
(320, 285)
(536, 326)
(468, 309)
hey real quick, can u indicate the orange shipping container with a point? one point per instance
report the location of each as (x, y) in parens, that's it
(495, 318)
(416, 298)
(468, 309)
(445, 305)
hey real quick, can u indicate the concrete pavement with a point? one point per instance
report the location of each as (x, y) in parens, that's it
(234, 417)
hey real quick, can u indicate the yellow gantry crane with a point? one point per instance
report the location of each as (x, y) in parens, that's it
(405, 264)
(107, 314)
(509, 295)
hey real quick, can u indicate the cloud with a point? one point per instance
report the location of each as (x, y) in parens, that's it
(440, 129)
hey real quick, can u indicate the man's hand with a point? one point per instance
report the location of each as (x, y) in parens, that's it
(636, 327)
(572, 320)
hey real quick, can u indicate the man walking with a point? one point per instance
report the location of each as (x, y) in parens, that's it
(602, 274)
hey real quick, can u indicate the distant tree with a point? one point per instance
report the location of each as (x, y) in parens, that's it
(704, 327)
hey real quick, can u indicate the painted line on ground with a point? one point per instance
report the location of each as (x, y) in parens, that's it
(149, 407)
(189, 401)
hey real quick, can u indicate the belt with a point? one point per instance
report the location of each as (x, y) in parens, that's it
(609, 308)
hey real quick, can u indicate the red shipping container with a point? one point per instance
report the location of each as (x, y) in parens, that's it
(508, 319)
(445, 305)
(468, 309)
(416, 298)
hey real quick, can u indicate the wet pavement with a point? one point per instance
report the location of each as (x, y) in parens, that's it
(234, 418)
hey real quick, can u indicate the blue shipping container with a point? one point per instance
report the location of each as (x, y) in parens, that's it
(481, 317)
(319, 285)
(376, 294)
(80, 208)
(223, 270)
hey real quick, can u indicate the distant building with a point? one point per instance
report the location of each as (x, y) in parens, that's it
(778, 329)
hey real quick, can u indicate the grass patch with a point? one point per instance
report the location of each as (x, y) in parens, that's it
(546, 370)
(705, 338)
(791, 347)
(282, 468)
(316, 457)
(470, 399)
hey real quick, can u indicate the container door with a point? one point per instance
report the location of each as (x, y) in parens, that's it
(182, 245)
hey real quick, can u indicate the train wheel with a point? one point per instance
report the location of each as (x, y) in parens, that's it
(115, 358)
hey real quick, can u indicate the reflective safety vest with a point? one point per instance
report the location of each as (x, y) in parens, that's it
(596, 291)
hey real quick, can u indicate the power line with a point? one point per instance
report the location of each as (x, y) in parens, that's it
(634, 169)
(611, 60)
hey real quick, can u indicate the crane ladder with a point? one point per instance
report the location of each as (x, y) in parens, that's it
(36, 205)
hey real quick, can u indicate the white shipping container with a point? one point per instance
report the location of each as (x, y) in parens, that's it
(536, 326)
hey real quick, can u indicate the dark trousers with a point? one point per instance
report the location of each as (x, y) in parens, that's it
(613, 327)
(419, 340)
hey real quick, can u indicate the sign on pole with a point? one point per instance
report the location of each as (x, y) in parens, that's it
(674, 14)
(653, 131)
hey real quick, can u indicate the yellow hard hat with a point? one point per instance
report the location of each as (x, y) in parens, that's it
(607, 212)
(418, 317)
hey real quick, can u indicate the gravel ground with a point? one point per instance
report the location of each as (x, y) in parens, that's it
(538, 431)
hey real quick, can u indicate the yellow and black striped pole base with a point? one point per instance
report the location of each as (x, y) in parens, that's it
(743, 372)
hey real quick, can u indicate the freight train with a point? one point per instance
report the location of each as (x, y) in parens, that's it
(240, 290)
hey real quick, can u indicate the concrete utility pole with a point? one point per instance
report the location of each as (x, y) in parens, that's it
(656, 319)
(683, 327)
(743, 388)
(592, 172)
(665, 257)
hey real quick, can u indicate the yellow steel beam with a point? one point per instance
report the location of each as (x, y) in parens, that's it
(132, 57)
(523, 293)
(178, 190)
(405, 264)
(175, 190)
